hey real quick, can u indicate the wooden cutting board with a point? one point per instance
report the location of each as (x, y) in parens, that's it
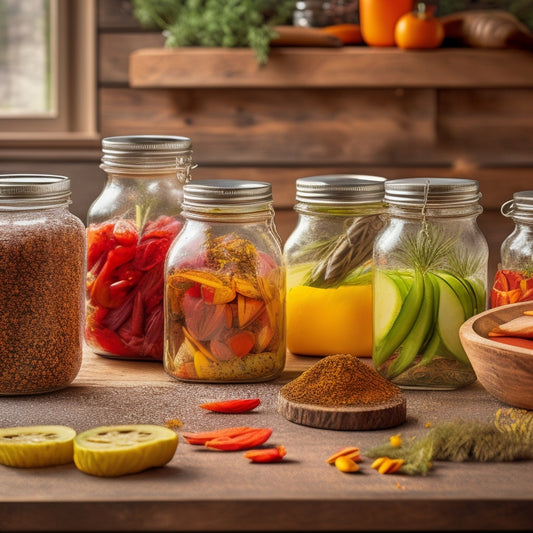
(380, 416)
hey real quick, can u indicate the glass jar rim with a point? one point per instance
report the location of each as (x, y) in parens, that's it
(226, 193)
(340, 189)
(33, 190)
(432, 192)
(146, 152)
(520, 207)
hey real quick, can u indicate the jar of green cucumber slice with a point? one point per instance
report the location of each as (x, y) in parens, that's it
(429, 276)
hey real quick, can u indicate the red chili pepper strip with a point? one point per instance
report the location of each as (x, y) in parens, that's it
(232, 406)
(203, 437)
(267, 455)
(250, 438)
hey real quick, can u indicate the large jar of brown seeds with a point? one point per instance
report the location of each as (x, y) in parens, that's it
(42, 285)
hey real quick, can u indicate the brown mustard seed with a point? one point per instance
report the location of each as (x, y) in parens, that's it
(42, 264)
(340, 380)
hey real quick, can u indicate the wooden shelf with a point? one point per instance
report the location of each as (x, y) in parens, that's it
(350, 66)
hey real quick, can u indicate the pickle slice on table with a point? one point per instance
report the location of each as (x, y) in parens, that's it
(36, 446)
(110, 451)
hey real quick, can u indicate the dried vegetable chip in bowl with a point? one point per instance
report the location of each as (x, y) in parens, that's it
(521, 326)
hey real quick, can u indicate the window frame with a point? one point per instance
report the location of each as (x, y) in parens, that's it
(76, 99)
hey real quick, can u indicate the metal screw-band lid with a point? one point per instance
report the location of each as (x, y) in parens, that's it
(340, 189)
(226, 192)
(432, 192)
(146, 152)
(520, 207)
(37, 189)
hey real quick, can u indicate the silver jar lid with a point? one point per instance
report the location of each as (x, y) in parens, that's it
(340, 189)
(39, 189)
(432, 192)
(220, 193)
(520, 207)
(148, 151)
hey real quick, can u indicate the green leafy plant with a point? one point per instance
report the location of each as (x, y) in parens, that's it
(228, 23)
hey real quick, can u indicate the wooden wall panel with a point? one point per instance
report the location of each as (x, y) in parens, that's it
(489, 126)
(254, 126)
(114, 52)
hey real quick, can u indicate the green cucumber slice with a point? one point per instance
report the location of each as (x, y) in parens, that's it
(387, 301)
(385, 346)
(421, 330)
(450, 318)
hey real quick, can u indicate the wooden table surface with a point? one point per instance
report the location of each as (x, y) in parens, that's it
(205, 490)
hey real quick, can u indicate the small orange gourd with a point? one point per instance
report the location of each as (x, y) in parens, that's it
(418, 30)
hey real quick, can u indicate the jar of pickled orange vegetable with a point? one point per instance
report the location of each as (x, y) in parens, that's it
(225, 286)
(130, 227)
(429, 277)
(513, 281)
(328, 259)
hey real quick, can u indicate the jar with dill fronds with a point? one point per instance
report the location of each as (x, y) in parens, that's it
(328, 259)
(130, 228)
(430, 275)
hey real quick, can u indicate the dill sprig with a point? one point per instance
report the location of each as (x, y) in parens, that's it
(428, 248)
(508, 438)
(464, 263)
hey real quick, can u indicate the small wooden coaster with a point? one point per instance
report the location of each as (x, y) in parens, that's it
(380, 416)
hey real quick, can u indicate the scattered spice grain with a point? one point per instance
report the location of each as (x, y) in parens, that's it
(340, 380)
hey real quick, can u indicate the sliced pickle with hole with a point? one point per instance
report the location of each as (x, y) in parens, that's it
(110, 451)
(36, 446)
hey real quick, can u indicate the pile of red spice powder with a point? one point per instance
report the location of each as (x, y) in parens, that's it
(340, 380)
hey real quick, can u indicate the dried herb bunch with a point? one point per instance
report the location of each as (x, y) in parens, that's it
(232, 23)
(508, 438)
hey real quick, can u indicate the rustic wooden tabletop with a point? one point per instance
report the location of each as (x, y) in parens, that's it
(207, 490)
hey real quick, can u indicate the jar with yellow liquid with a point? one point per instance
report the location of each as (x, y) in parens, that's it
(328, 258)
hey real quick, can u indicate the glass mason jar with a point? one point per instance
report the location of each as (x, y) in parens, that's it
(130, 227)
(225, 286)
(42, 285)
(430, 275)
(513, 281)
(328, 258)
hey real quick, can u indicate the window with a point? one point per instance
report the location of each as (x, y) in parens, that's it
(47, 70)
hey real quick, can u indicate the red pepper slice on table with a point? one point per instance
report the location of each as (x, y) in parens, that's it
(232, 406)
(266, 455)
(230, 439)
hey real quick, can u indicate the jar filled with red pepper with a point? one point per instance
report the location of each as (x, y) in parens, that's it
(225, 286)
(513, 281)
(129, 229)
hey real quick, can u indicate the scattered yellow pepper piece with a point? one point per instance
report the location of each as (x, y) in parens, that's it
(386, 465)
(396, 440)
(345, 464)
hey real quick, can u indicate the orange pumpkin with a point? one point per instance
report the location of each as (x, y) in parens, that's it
(418, 29)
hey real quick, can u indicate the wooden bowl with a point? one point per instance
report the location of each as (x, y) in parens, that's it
(505, 371)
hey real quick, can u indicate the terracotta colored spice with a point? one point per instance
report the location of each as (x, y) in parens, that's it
(41, 300)
(340, 380)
